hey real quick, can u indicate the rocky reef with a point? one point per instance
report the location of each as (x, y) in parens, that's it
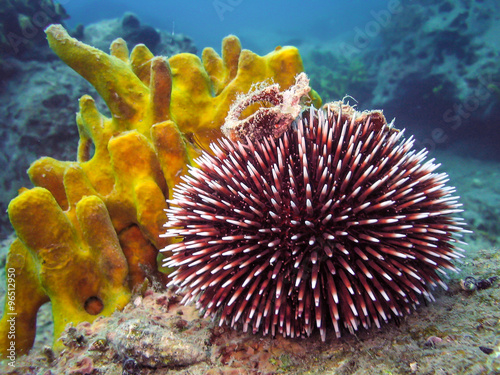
(336, 76)
(433, 65)
(443, 55)
(21, 26)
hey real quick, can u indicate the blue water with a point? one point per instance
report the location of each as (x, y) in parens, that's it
(260, 25)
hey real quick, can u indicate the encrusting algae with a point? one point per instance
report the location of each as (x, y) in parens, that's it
(88, 232)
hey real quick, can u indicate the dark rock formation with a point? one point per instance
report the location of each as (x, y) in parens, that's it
(431, 64)
(22, 23)
(100, 35)
(437, 66)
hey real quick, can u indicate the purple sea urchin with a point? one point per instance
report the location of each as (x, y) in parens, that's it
(337, 221)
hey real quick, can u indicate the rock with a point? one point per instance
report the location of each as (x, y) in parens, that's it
(130, 21)
(436, 68)
(432, 65)
(21, 26)
(100, 35)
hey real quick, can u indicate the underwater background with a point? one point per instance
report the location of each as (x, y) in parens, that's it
(434, 66)
(260, 25)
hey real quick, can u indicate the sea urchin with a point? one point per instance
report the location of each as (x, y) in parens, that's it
(335, 222)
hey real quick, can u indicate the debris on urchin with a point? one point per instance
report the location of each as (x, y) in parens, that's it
(271, 120)
(335, 222)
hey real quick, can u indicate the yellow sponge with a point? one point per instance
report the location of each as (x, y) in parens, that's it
(88, 233)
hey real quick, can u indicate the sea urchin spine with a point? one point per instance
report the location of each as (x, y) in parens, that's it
(336, 222)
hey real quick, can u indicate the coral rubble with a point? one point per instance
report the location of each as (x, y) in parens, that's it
(89, 231)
